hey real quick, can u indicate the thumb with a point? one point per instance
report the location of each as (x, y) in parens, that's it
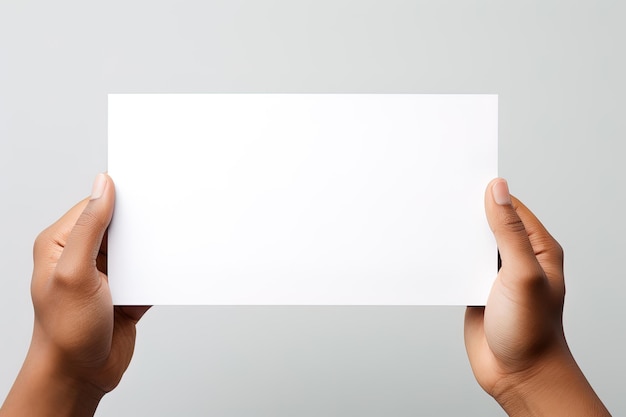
(78, 260)
(516, 251)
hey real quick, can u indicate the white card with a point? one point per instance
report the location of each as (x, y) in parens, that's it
(301, 199)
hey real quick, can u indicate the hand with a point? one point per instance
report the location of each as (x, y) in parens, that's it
(81, 344)
(516, 343)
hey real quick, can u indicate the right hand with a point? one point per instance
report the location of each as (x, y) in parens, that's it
(81, 343)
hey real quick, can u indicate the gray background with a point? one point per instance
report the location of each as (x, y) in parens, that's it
(557, 66)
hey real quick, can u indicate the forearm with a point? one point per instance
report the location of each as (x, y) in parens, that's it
(42, 390)
(558, 388)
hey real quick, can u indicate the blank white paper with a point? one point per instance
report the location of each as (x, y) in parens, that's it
(301, 199)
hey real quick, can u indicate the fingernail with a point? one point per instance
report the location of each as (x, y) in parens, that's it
(98, 187)
(500, 191)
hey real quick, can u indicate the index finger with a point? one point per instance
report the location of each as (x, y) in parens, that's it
(547, 250)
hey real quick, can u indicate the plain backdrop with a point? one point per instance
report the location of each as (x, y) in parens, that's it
(558, 67)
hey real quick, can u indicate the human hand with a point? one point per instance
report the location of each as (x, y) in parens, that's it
(516, 345)
(81, 344)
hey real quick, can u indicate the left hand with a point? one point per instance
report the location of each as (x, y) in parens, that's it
(515, 344)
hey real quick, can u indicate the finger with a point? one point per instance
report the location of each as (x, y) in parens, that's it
(58, 232)
(476, 345)
(547, 250)
(78, 260)
(510, 232)
(134, 313)
(474, 329)
(102, 259)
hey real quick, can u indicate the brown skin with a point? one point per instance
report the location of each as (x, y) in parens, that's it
(81, 344)
(516, 343)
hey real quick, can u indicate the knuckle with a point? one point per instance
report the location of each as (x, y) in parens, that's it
(38, 293)
(532, 276)
(42, 241)
(558, 250)
(88, 219)
(65, 276)
(552, 249)
(511, 221)
(514, 281)
(531, 280)
(525, 271)
(556, 253)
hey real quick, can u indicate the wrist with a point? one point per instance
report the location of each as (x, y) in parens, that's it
(57, 392)
(555, 386)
